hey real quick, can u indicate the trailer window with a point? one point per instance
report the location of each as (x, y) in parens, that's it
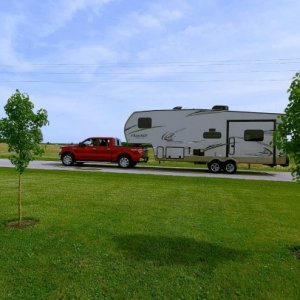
(144, 122)
(253, 135)
(212, 134)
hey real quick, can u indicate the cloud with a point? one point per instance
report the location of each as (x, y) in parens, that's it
(157, 18)
(57, 14)
(90, 54)
(288, 42)
(8, 28)
(151, 20)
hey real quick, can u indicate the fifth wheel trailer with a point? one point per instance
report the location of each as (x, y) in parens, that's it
(219, 137)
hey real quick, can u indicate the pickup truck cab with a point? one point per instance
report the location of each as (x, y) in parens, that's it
(106, 149)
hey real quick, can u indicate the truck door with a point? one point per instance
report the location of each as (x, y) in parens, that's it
(85, 150)
(250, 141)
(102, 150)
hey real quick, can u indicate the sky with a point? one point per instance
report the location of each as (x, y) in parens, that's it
(91, 63)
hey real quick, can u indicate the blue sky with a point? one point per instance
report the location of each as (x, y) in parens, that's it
(91, 63)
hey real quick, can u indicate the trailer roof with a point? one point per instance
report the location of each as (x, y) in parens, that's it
(207, 110)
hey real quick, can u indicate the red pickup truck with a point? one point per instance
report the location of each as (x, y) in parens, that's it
(103, 149)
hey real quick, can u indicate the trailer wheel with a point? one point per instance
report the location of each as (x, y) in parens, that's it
(124, 161)
(214, 166)
(67, 159)
(230, 167)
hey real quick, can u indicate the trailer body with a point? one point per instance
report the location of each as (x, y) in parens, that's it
(210, 136)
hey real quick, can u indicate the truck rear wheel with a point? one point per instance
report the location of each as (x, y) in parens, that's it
(124, 161)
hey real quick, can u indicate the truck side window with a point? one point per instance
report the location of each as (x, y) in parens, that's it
(103, 142)
(253, 135)
(88, 142)
(96, 142)
(144, 122)
(212, 134)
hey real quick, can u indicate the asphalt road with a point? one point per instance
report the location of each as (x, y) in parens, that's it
(144, 169)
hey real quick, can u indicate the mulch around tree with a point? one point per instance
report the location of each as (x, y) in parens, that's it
(296, 252)
(23, 225)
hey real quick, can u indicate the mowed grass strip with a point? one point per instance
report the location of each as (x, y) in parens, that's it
(117, 236)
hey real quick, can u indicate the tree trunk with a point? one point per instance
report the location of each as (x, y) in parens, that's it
(20, 199)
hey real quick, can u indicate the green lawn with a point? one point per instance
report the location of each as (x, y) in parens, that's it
(117, 236)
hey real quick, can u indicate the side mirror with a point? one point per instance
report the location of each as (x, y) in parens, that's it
(81, 144)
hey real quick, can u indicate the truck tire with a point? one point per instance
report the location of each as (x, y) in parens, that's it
(230, 167)
(214, 166)
(124, 161)
(67, 159)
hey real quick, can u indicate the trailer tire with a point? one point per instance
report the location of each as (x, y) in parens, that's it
(230, 167)
(68, 159)
(124, 161)
(214, 166)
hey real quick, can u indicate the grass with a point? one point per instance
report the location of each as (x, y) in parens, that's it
(52, 150)
(117, 236)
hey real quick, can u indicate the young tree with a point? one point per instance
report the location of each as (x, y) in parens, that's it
(287, 137)
(22, 132)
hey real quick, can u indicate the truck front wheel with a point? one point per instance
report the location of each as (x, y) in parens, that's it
(124, 161)
(67, 159)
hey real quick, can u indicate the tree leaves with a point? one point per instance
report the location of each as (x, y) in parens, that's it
(287, 137)
(21, 129)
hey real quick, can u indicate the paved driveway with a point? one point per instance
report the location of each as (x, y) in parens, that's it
(144, 169)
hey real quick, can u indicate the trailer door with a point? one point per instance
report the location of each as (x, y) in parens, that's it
(250, 141)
